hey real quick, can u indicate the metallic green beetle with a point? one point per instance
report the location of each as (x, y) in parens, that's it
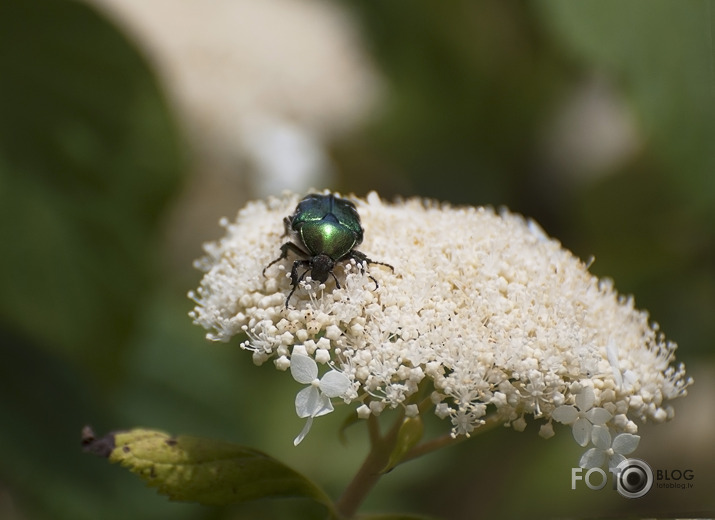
(325, 230)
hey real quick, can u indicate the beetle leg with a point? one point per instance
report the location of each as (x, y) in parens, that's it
(362, 257)
(289, 295)
(379, 263)
(287, 221)
(337, 284)
(295, 279)
(288, 246)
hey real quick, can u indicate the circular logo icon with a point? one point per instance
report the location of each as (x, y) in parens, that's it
(634, 478)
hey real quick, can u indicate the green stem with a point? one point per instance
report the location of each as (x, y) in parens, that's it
(448, 440)
(430, 446)
(371, 469)
(379, 456)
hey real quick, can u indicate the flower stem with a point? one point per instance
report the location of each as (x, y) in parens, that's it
(448, 440)
(371, 469)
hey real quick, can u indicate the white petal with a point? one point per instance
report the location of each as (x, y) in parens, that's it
(325, 406)
(612, 355)
(625, 443)
(593, 458)
(304, 369)
(601, 437)
(566, 414)
(582, 431)
(598, 416)
(334, 384)
(630, 377)
(303, 432)
(308, 402)
(615, 460)
(585, 399)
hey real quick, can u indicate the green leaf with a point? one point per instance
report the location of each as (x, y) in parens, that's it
(207, 471)
(409, 435)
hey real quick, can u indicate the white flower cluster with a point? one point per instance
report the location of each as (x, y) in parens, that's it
(483, 311)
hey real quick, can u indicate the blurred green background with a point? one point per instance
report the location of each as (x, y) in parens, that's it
(122, 143)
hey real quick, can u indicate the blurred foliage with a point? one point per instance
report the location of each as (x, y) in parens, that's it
(89, 159)
(92, 330)
(662, 55)
(469, 84)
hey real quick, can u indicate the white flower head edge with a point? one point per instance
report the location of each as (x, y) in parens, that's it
(314, 400)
